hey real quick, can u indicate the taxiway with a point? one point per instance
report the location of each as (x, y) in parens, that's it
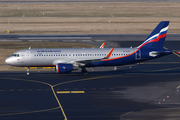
(147, 90)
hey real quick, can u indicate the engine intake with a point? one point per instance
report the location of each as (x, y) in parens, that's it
(63, 68)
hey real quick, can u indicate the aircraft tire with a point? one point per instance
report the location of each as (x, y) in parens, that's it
(84, 72)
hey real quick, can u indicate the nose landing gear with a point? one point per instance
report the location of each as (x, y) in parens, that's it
(28, 71)
(84, 71)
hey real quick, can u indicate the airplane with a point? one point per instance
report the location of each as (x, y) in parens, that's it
(66, 60)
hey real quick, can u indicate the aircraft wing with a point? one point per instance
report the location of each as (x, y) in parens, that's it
(102, 46)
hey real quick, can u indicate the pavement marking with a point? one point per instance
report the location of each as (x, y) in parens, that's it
(168, 103)
(173, 52)
(66, 92)
(125, 114)
(26, 80)
(75, 89)
(166, 69)
(176, 54)
(30, 112)
(160, 70)
(65, 118)
(86, 79)
(61, 92)
(77, 92)
(159, 62)
(52, 88)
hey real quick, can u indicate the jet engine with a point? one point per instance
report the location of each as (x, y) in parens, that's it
(63, 68)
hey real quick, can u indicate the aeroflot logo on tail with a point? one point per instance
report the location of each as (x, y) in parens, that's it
(49, 51)
(156, 37)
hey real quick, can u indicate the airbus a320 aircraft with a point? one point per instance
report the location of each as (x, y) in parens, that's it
(67, 60)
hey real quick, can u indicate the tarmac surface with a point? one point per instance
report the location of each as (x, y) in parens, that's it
(102, 95)
(148, 90)
(84, 1)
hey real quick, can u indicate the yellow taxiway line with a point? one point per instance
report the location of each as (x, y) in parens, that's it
(173, 52)
(65, 92)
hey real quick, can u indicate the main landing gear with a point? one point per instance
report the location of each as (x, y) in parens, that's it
(84, 71)
(28, 71)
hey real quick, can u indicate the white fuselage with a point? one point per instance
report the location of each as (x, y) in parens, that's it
(50, 57)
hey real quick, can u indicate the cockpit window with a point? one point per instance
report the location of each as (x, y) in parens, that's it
(15, 55)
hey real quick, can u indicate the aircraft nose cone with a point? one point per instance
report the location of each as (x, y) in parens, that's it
(8, 61)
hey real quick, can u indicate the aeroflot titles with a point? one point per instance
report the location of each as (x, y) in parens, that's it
(49, 51)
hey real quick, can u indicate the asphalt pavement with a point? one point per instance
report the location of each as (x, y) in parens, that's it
(147, 90)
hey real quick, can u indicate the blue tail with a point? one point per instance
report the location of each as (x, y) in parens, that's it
(156, 39)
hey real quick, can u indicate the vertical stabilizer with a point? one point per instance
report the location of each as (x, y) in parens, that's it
(156, 39)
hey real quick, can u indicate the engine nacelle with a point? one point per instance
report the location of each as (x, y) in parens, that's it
(63, 68)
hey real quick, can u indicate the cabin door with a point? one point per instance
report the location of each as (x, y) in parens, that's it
(138, 55)
(27, 55)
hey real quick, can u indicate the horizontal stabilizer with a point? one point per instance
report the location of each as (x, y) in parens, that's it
(156, 53)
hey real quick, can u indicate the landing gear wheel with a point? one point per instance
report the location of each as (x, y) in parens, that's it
(84, 72)
(28, 71)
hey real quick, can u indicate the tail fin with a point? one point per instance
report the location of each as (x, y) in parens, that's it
(157, 37)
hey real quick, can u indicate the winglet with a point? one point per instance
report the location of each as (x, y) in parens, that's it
(102, 46)
(109, 54)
